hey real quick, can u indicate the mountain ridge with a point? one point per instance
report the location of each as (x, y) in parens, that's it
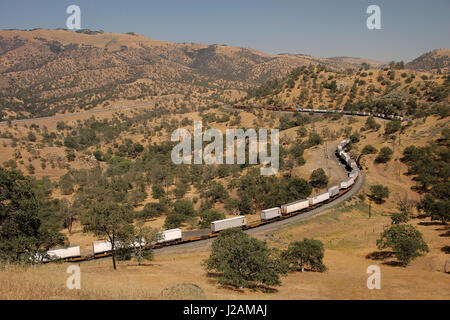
(44, 72)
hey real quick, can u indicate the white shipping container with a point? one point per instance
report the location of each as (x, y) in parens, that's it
(333, 191)
(101, 246)
(353, 174)
(170, 235)
(319, 198)
(271, 213)
(347, 183)
(219, 225)
(63, 253)
(294, 206)
(347, 158)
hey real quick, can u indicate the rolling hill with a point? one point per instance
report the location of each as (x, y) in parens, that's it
(44, 72)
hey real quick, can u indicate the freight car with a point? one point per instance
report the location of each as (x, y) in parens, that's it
(346, 184)
(353, 164)
(269, 214)
(319, 198)
(353, 174)
(294, 206)
(170, 235)
(62, 253)
(99, 247)
(174, 236)
(220, 225)
(333, 191)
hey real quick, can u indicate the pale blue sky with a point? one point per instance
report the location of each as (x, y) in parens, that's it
(320, 28)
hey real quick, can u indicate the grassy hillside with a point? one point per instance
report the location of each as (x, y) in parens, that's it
(388, 91)
(346, 230)
(54, 71)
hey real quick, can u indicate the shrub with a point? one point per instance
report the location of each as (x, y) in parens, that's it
(384, 155)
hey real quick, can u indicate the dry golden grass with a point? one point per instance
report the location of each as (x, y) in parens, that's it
(349, 235)
(347, 232)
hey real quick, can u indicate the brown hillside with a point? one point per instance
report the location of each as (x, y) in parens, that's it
(433, 61)
(44, 72)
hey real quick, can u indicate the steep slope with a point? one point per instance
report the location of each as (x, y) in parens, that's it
(433, 61)
(387, 91)
(44, 72)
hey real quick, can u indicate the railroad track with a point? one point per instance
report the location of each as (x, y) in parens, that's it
(257, 227)
(65, 115)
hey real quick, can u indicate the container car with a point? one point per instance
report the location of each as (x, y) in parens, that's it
(63, 253)
(333, 191)
(170, 235)
(101, 246)
(220, 225)
(319, 198)
(294, 206)
(347, 183)
(271, 213)
(354, 174)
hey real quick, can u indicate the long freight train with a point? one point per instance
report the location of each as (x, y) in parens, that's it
(174, 236)
(346, 112)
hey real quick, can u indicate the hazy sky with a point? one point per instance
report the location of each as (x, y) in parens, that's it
(319, 28)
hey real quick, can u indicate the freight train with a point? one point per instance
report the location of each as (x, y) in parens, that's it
(174, 236)
(346, 112)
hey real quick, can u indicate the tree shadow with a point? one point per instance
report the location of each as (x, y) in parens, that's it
(393, 263)
(446, 249)
(212, 274)
(430, 223)
(380, 255)
(232, 288)
(262, 288)
(252, 287)
(417, 189)
(142, 265)
(446, 234)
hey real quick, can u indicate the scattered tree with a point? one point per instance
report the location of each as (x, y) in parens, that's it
(318, 178)
(243, 261)
(308, 253)
(405, 240)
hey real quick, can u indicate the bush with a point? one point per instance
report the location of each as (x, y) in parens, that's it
(369, 149)
(174, 220)
(158, 191)
(406, 242)
(308, 253)
(314, 139)
(371, 124)
(153, 210)
(378, 193)
(243, 261)
(384, 155)
(392, 126)
(318, 178)
(208, 216)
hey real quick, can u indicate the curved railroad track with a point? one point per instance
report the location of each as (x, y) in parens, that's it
(267, 228)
